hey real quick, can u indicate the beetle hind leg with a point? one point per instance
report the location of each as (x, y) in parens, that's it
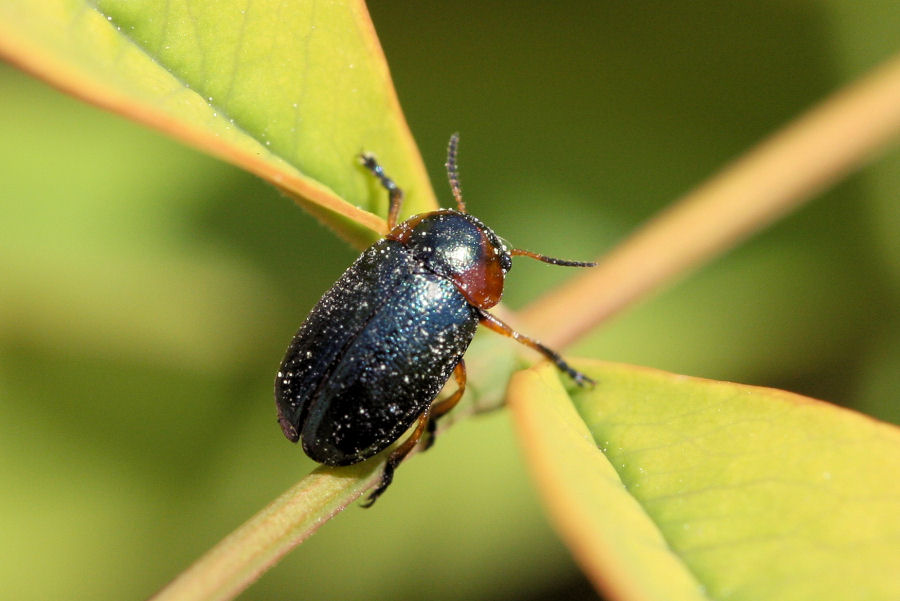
(397, 456)
(443, 407)
(426, 425)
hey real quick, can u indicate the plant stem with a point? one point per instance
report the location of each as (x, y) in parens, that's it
(243, 556)
(781, 173)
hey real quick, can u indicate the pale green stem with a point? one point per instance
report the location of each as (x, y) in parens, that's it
(784, 171)
(243, 556)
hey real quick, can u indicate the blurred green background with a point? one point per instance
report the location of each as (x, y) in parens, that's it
(147, 292)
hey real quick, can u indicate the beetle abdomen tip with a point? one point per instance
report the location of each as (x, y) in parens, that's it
(290, 431)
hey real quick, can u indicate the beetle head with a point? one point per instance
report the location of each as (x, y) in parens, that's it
(461, 248)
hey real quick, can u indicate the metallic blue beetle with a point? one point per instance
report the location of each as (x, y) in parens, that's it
(376, 350)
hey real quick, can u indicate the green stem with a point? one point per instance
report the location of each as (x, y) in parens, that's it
(784, 171)
(243, 556)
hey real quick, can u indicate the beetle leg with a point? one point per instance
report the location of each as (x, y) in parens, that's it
(442, 407)
(396, 457)
(500, 327)
(394, 192)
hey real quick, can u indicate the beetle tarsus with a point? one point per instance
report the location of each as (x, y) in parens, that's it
(581, 379)
(387, 476)
(430, 434)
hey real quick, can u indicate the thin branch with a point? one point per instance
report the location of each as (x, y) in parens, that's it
(789, 168)
(243, 556)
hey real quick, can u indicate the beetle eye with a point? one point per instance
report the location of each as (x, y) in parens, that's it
(505, 262)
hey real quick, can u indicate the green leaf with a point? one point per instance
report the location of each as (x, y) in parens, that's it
(292, 92)
(670, 487)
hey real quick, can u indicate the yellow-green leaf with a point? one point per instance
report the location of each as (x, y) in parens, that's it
(292, 92)
(670, 487)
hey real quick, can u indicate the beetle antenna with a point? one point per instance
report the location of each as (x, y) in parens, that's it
(553, 261)
(453, 174)
(395, 194)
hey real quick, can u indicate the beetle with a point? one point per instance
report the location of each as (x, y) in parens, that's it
(373, 354)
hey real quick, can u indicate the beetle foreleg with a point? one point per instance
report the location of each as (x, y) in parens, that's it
(396, 457)
(500, 327)
(442, 407)
(395, 194)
